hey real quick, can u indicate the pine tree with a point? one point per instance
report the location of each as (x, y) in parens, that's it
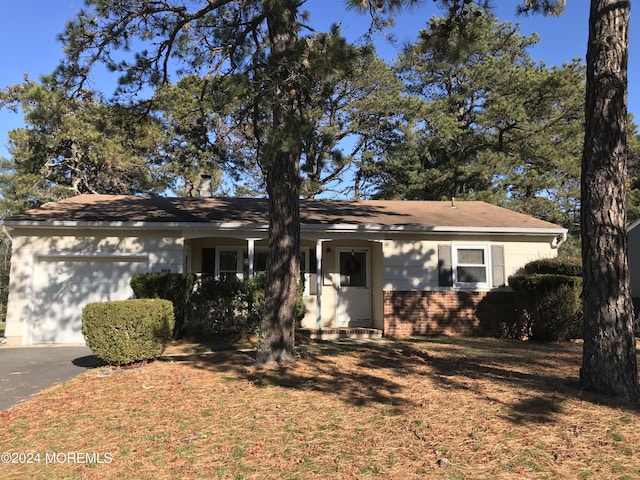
(609, 362)
(75, 144)
(493, 124)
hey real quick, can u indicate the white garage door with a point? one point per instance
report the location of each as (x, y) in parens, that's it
(63, 286)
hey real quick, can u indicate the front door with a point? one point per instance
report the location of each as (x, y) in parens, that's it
(354, 288)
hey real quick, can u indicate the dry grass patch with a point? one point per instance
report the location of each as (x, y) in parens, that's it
(441, 408)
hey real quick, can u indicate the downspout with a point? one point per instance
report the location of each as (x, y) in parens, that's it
(557, 243)
(6, 233)
(319, 283)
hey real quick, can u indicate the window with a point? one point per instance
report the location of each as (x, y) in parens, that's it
(230, 262)
(233, 263)
(471, 266)
(308, 267)
(260, 258)
(353, 269)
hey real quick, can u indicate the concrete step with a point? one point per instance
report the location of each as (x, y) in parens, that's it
(357, 333)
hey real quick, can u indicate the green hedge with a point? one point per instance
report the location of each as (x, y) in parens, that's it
(571, 267)
(127, 331)
(209, 307)
(230, 307)
(550, 305)
(226, 307)
(540, 284)
(175, 287)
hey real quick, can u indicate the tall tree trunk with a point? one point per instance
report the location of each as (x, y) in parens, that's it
(609, 357)
(282, 167)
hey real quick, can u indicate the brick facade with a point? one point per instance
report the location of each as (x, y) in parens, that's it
(410, 313)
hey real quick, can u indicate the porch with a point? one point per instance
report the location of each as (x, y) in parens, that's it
(341, 278)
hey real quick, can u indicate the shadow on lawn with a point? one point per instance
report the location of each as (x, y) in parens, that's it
(541, 376)
(313, 372)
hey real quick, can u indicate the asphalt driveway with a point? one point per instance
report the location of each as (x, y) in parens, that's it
(27, 370)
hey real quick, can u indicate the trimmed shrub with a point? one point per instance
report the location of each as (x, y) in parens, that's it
(222, 307)
(550, 306)
(208, 307)
(571, 267)
(559, 314)
(217, 308)
(176, 287)
(542, 283)
(127, 331)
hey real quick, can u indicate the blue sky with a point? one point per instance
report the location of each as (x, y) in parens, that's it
(28, 30)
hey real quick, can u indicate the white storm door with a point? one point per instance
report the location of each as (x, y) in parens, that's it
(354, 288)
(63, 286)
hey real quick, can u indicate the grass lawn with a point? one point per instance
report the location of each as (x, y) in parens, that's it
(444, 408)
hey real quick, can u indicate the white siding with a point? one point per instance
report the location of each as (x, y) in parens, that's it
(160, 253)
(411, 264)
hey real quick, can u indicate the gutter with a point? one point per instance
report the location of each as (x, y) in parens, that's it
(349, 228)
(331, 228)
(229, 226)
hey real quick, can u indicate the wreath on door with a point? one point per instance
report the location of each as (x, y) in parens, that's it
(352, 266)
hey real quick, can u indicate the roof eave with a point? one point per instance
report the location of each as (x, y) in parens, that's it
(438, 229)
(633, 225)
(332, 228)
(95, 225)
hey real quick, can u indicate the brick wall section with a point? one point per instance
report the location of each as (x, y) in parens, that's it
(408, 314)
